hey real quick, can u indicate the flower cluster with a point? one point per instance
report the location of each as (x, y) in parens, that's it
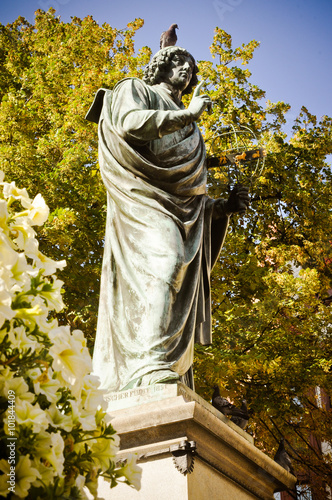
(56, 440)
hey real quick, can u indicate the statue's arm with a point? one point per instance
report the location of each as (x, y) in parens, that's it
(136, 121)
(238, 202)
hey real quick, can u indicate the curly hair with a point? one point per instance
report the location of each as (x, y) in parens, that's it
(160, 63)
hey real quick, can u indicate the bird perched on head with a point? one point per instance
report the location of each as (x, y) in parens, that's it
(242, 421)
(227, 408)
(168, 38)
(282, 458)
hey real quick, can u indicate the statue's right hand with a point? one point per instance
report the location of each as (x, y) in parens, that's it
(198, 102)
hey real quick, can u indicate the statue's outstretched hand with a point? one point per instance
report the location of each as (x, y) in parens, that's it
(198, 102)
(238, 200)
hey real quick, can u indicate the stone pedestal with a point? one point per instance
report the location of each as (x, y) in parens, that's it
(188, 450)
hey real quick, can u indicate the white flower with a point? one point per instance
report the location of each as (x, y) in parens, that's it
(21, 389)
(6, 311)
(24, 236)
(39, 211)
(45, 383)
(34, 373)
(92, 396)
(58, 419)
(29, 415)
(22, 273)
(55, 453)
(88, 420)
(25, 475)
(11, 191)
(50, 447)
(31, 248)
(75, 411)
(6, 374)
(71, 357)
(8, 260)
(105, 450)
(20, 340)
(41, 443)
(52, 294)
(3, 215)
(132, 471)
(48, 265)
(5, 469)
(80, 483)
(36, 315)
(47, 474)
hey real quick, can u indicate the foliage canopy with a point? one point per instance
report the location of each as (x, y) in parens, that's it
(272, 284)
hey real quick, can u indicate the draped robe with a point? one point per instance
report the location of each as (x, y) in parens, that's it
(161, 239)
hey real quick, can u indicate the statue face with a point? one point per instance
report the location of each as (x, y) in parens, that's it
(179, 72)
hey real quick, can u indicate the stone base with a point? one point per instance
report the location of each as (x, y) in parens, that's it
(169, 434)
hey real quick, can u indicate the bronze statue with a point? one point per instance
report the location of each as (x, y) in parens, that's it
(163, 233)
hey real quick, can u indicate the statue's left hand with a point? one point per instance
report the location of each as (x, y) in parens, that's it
(238, 200)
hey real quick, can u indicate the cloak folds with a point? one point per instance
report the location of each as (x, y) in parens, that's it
(159, 247)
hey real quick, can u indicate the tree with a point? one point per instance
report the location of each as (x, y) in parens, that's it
(49, 74)
(272, 333)
(272, 285)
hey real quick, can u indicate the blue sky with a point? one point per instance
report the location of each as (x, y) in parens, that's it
(293, 63)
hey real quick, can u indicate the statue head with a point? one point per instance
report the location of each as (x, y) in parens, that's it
(159, 66)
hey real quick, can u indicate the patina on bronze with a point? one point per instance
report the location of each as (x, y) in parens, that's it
(163, 233)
